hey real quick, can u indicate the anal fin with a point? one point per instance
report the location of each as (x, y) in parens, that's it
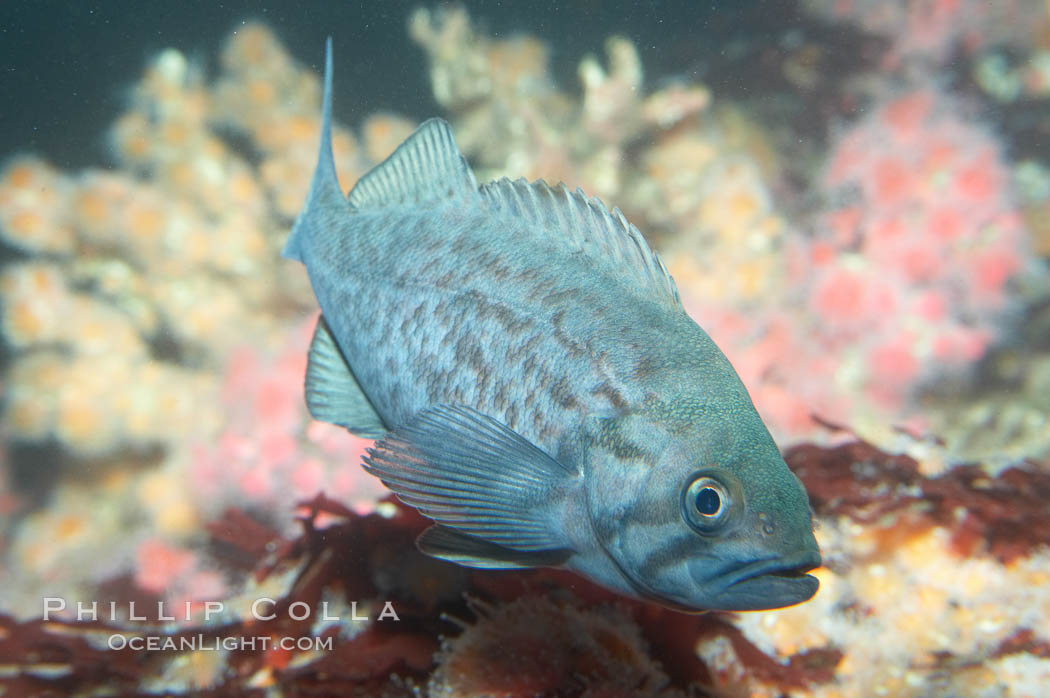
(449, 544)
(332, 392)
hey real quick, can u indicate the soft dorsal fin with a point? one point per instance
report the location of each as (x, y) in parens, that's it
(426, 167)
(583, 223)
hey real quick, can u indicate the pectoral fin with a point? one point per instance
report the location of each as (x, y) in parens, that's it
(475, 475)
(332, 392)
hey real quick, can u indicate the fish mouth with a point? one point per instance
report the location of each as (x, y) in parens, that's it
(771, 583)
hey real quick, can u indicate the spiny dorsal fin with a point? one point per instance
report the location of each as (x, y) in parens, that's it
(583, 223)
(426, 167)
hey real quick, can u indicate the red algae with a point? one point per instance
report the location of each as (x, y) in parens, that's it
(536, 632)
(1005, 514)
(1023, 641)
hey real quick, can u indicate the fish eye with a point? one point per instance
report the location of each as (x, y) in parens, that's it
(706, 503)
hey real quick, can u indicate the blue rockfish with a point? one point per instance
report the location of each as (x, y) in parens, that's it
(536, 388)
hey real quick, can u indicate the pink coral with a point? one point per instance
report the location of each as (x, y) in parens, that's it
(270, 451)
(157, 563)
(907, 277)
(178, 576)
(935, 219)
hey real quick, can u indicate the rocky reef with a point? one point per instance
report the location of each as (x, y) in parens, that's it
(931, 585)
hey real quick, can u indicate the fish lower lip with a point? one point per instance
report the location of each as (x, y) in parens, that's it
(796, 572)
(786, 567)
(771, 583)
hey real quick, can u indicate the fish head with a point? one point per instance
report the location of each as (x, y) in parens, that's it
(714, 521)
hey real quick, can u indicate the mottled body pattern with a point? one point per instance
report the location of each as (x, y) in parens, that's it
(537, 388)
(439, 315)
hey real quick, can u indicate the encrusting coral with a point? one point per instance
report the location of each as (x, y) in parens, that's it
(141, 315)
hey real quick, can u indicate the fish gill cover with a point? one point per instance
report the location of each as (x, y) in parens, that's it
(887, 277)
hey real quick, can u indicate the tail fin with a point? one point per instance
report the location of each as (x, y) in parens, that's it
(325, 194)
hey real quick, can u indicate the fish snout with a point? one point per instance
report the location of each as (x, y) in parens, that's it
(771, 582)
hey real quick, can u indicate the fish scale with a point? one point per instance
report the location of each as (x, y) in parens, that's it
(535, 388)
(415, 343)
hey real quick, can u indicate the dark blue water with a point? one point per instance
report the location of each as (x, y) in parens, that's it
(64, 67)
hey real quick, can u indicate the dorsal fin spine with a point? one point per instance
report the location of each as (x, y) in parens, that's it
(583, 224)
(326, 177)
(561, 201)
(426, 167)
(324, 187)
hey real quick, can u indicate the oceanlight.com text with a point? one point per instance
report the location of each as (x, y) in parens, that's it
(196, 643)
